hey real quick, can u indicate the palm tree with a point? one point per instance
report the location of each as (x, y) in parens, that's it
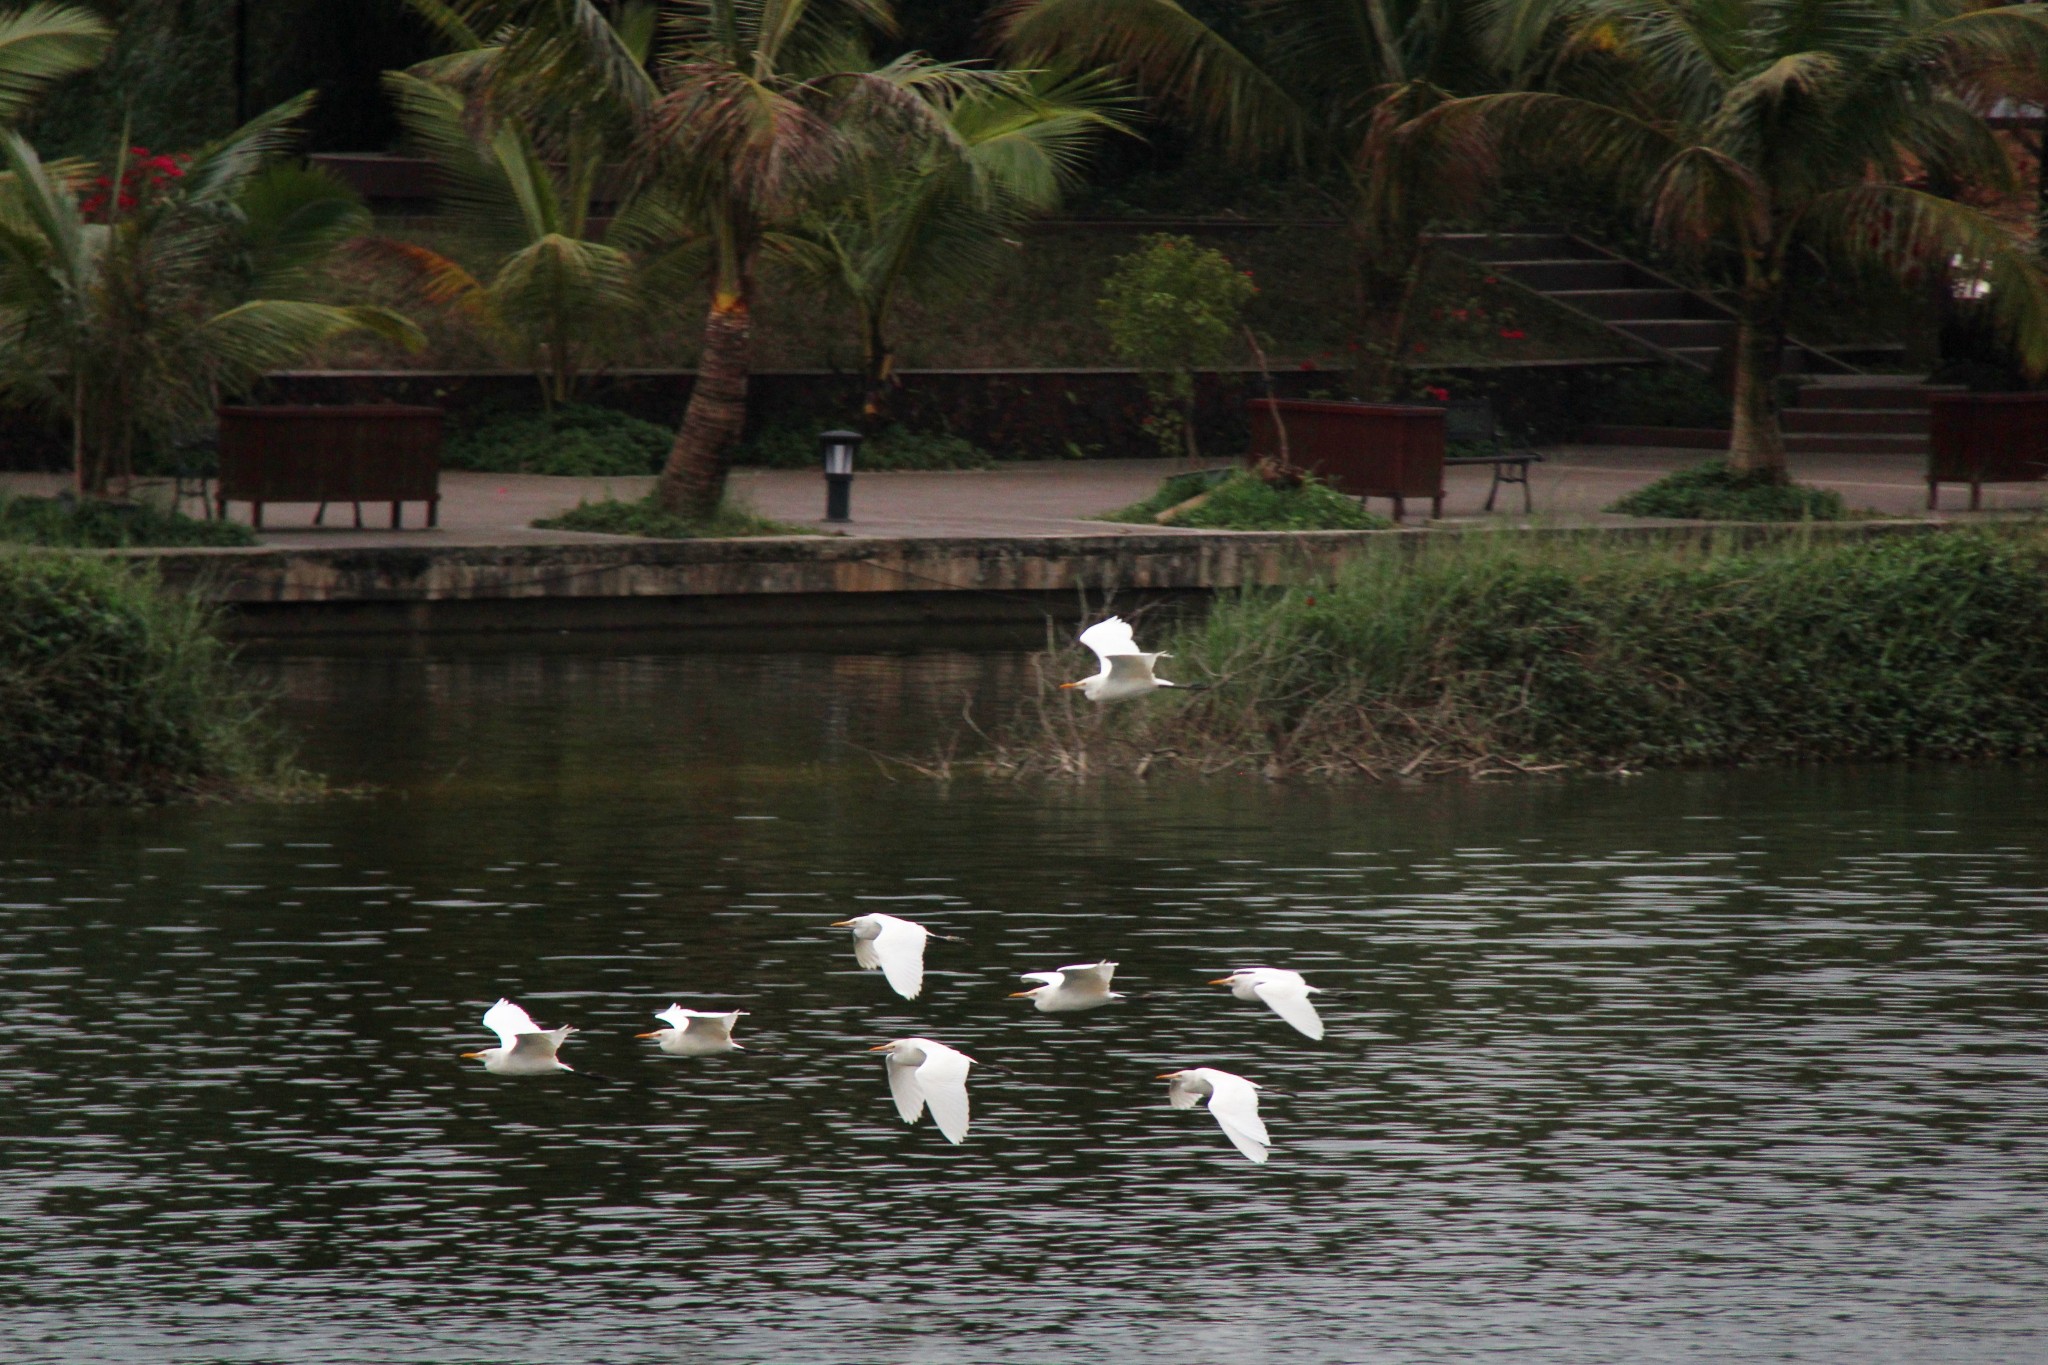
(748, 113)
(551, 287)
(1774, 139)
(41, 44)
(131, 308)
(941, 219)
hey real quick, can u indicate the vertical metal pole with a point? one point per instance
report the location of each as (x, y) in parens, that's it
(838, 497)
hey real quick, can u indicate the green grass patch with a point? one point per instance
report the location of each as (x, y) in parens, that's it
(1714, 492)
(646, 517)
(1240, 501)
(576, 439)
(113, 691)
(98, 523)
(1495, 654)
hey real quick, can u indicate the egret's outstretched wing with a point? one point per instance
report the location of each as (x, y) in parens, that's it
(1111, 639)
(1181, 1093)
(1288, 995)
(1042, 978)
(943, 1079)
(1092, 976)
(1130, 670)
(675, 1016)
(899, 952)
(904, 1089)
(539, 1047)
(865, 955)
(712, 1027)
(508, 1021)
(1235, 1103)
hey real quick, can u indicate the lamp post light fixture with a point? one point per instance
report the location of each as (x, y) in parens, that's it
(836, 448)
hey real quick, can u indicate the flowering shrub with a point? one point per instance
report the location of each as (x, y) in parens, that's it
(1171, 308)
(144, 176)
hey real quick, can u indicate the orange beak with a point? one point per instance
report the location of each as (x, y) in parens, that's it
(1223, 981)
(882, 1047)
(1166, 1076)
(471, 1056)
(655, 1034)
(841, 923)
(1067, 686)
(1020, 995)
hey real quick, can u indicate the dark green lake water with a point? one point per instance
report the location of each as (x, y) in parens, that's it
(1693, 1067)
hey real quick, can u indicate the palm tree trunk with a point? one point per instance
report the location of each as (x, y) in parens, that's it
(693, 481)
(879, 368)
(1756, 440)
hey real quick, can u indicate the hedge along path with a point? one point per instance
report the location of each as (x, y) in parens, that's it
(1483, 657)
(113, 691)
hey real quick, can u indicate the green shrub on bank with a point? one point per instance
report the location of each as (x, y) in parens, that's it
(1240, 501)
(96, 523)
(113, 691)
(576, 439)
(794, 445)
(1714, 492)
(646, 517)
(1494, 655)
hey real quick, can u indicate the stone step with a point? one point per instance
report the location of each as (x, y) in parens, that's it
(1608, 304)
(1884, 421)
(1553, 275)
(1882, 393)
(1678, 333)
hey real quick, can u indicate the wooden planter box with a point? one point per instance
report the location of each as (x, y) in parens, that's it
(1369, 450)
(357, 454)
(1980, 438)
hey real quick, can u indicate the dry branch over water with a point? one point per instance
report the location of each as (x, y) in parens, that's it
(1497, 656)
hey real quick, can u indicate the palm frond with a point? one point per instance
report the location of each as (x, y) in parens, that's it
(293, 218)
(40, 45)
(267, 334)
(219, 170)
(1173, 58)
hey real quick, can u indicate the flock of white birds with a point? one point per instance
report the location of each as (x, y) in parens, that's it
(926, 1074)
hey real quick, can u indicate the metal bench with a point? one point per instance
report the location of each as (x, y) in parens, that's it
(1469, 422)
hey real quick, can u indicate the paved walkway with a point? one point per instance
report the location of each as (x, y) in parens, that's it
(1059, 498)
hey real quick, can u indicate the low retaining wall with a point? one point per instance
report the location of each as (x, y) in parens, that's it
(809, 583)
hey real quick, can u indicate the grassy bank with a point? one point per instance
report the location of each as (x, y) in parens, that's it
(1490, 655)
(98, 523)
(114, 692)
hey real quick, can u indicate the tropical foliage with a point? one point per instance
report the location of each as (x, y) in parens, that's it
(185, 283)
(940, 218)
(40, 45)
(1775, 139)
(1171, 308)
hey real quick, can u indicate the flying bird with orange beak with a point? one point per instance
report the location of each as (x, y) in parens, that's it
(1126, 671)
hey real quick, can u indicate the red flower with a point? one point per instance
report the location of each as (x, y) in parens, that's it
(1460, 314)
(1439, 393)
(1418, 348)
(1490, 279)
(1513, 334)
(1308, 364)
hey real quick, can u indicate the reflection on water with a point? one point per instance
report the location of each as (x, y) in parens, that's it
(1696, 1067)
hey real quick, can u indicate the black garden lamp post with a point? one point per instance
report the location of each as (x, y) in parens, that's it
(837, 448)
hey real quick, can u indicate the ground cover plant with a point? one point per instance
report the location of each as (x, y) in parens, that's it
(1715, 491)
(793, 444)
(647, 517)
(573, 439)
(1240, 500)
(1490, 655)
(97, 523)
(113, 691)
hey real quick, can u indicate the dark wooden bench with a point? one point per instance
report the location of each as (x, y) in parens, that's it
(358, 453)
(1980, 438)
(1470, 423)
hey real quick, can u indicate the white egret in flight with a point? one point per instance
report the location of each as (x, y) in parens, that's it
(524, 1047)
(696, 1033)
(1126, 672)
(1283, 991)
(922, 1072)
(894, 945)
(1232, 1099)
(1083, 986)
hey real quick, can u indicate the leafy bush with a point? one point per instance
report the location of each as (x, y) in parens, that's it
(1485, 654)
(1171, 308)
(96, 523)
(1715, 492)
(576, 439)
(113, 691)
(1241, 501)
(794, 445)
(646, 517)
